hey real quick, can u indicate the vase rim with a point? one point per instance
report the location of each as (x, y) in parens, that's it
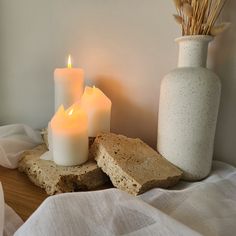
(206, 38)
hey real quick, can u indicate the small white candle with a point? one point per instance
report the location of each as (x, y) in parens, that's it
(69, 130)
(98, 107)
(69, 85)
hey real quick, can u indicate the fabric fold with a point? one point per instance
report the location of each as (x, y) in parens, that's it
(11, 221)
(15, 139)
(208, 206)
(107, 212)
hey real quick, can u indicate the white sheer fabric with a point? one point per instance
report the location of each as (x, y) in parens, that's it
(9, 220)
(207, 208)
(14, 139)
(107, 212)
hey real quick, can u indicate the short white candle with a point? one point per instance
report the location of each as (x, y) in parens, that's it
(69, 130)
(69, 85)
(98, 107)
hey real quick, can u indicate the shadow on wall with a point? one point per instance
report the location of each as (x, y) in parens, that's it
(224, 64)
(127, 117)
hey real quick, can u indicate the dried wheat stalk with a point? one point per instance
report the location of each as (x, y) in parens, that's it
(198, 17)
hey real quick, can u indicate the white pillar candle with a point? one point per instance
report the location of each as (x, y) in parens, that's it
(98, 107)
(69, 85)
(69, 130)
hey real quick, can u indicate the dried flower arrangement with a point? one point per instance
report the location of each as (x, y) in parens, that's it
(198, 17)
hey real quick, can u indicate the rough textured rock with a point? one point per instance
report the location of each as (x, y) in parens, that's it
(57, 179)
(132, 165)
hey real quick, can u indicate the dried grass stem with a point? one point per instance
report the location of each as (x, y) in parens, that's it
(198, 17)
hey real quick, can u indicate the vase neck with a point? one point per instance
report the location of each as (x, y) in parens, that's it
(193, 50)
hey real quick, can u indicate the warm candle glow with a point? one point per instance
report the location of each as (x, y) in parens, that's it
(98, 107)
(71, 112)
(67, 120)
(69, 64)
(69, 134)
(69, 84)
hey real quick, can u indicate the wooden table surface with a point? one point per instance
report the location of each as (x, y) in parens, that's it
(19, 193)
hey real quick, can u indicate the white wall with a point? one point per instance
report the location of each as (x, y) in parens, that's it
(124, 46)
(223, 59)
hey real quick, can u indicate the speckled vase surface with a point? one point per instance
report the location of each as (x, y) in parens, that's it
(188, 110)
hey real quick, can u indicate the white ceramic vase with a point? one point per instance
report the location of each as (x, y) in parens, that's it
(188, 110)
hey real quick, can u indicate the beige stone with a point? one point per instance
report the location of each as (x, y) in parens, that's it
(132, 165)
(58, 179)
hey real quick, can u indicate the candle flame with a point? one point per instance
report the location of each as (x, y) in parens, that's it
(67, 121)
(69, 64)
(71, 112)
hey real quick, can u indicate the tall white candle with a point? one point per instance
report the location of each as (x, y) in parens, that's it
(69, 130)
(98, 107)
(69, 85)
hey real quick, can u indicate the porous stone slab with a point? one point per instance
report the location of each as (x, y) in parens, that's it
(132, 165)
(58, 179)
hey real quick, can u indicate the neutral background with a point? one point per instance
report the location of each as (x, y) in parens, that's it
(125, 48)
